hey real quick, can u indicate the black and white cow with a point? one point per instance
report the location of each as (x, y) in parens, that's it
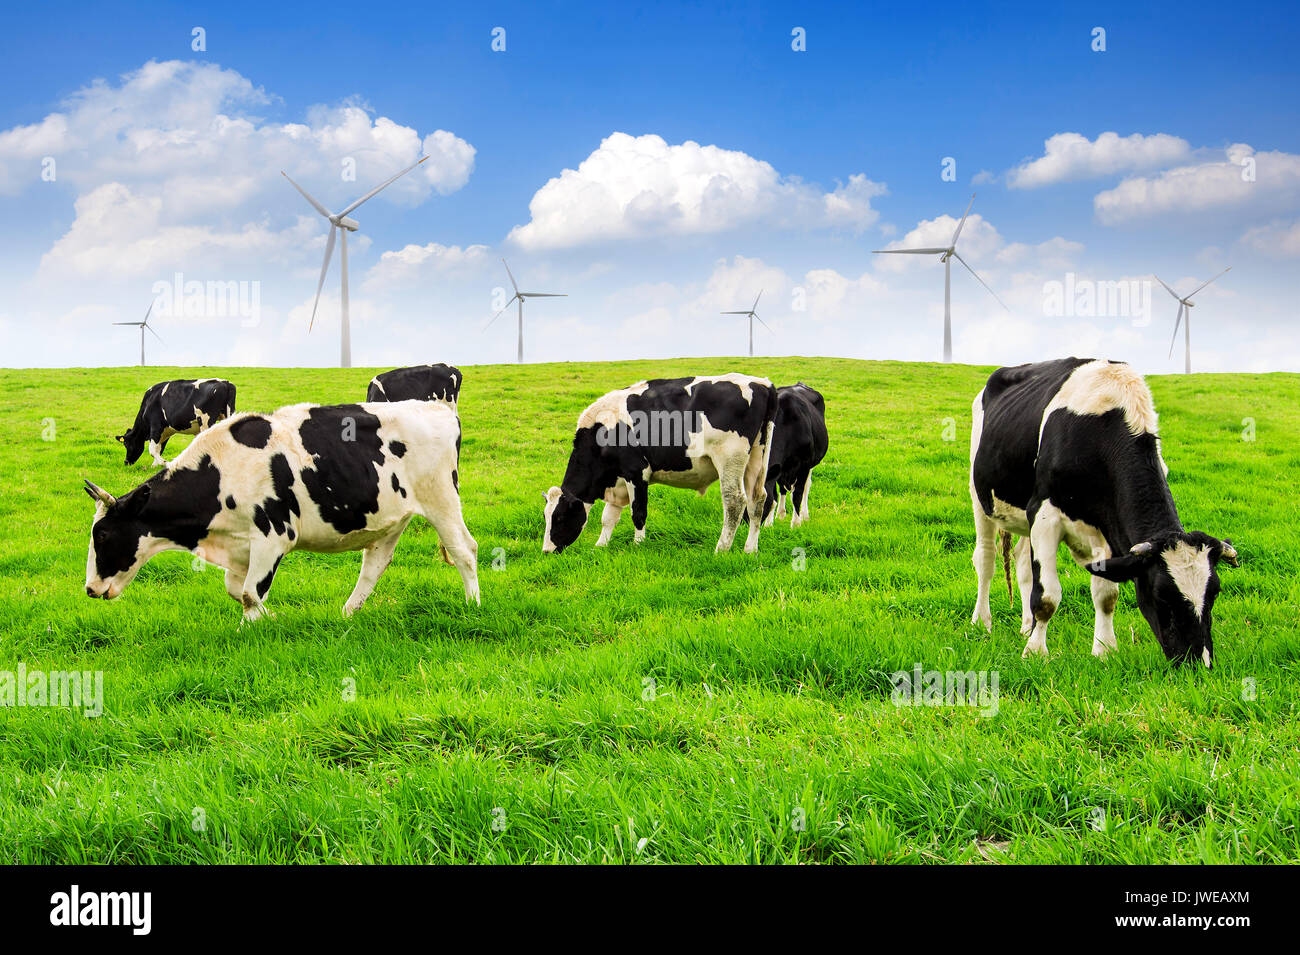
(683, 432)
(421, 382)
(186, 406)
(321, 478)
(799, 443)
(1069, 451)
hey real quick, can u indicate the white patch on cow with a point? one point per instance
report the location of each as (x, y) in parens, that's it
(1205, 657)
(1009, 517)
(1086, 543)
(744, 382)
(376, 383)
(1190, 568)
(1102, 386)
(611, 408)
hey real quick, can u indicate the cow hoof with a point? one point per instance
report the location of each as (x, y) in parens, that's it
(1099, 649)
(1031, 647)
(985, 618)
(751, 548)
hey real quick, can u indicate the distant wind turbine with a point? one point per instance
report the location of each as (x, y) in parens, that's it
(142, 326)
(519, 297)
(752, 316)
(1185, 317)
(945, 255)
(343, 225)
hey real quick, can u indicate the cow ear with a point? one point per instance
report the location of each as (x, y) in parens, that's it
(139, 498)
(1125, 567)
(1228, 553)
(121, 438)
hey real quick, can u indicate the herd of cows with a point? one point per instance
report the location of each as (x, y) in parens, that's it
(1061, 451)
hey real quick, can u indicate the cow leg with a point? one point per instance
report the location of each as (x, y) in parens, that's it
(803, 503)
(374, 561)
(780, 502)
(799, 500)
(639, 492)
(1025, 578)
(1104, 595)
(155, 451)
(440, 505)
(615, 500)
(731, 481)
(263, 561)
(235, 585)
(755, 491)
(1044, 542)
(985, 560)
(774, 506)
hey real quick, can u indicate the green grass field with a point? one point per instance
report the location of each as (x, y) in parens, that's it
(527, 730)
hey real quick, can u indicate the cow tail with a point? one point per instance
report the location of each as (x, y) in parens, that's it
(1004, 537)
(769, 426)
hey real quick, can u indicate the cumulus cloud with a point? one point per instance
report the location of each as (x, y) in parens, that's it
(978, 239)
(1277, 240)
(1244, 178)
(412, 263)
(641, 186)
(1071, 156)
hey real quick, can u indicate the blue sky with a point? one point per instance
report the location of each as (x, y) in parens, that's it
(883, 94)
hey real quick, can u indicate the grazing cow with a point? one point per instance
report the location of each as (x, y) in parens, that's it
(187, 406)
(321, 478)
(422, 382)
(1069, 451)
(799, 443)
(683, 432)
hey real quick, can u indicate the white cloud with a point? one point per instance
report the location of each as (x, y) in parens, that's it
(1243, 179)
(413, 263)
(1277, 240)
(188, 131)
(1070, 156)
(978, 239)
(640, 186)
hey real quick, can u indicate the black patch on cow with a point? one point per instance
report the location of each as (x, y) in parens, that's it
(344, 479)
(398, 449)
(397, 486)
(252, 430)
(420, 382)
(230, 501)
(273, 513)
(264, 584)
(177, 505)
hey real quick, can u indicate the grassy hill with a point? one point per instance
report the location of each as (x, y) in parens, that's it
(652, 703)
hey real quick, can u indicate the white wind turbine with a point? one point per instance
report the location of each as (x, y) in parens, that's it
(340, 223)
(752, 315)
(142, 326)
(519, 297)
(1185, 317)
(945, 255)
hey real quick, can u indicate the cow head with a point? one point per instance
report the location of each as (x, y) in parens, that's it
(1176, 582)
(133, 441)
(119, 541)
(566, 516)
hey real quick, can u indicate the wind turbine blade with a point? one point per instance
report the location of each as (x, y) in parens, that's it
(907, 251)
(756, 298)
(963, 220)
(128, 323)
(1174, 341)
(149, 312)
(980, 280)
(325, 267)
(383, 185)
(500, 313)
(306, 195)
(1167, 288)
(763, 323)
(1199, 287)
(154, 334)
(512, 275)
(543, 294)
(741, 312)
